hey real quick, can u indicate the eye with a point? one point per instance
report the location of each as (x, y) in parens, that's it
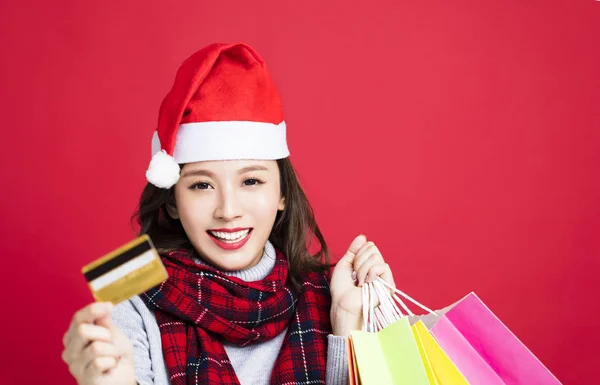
(200, 186)
(252, 182)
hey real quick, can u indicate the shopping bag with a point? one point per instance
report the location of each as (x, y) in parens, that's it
(481, 347)
(439, 368)
(444, 372)
(352, 369)
(386, 351)
(484, 349)
(424, 356)
(389, 357)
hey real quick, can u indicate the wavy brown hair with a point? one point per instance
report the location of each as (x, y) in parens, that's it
(293, 232)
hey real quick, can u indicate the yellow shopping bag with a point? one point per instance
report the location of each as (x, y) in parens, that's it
(424, 357)
(440, 369)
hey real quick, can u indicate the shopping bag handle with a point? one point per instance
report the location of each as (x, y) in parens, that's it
(409, 298)
(377, 318)
(386, 313)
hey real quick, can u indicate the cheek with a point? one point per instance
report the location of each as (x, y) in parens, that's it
(263, 205)
(190, 211)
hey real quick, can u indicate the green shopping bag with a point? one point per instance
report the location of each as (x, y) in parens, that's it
(389, 357)
(386, 351)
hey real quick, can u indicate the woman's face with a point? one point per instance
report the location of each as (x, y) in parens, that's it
(228, 209)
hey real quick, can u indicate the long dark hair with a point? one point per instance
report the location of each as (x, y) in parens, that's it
(294, 230)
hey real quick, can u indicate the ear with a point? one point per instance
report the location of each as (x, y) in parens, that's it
(172, 210)
(281, 205)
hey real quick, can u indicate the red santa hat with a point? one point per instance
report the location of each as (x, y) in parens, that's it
(223, 105)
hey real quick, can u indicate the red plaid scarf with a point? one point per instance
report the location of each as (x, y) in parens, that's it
(198, 307)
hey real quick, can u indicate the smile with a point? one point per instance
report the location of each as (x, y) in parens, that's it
(230, 239)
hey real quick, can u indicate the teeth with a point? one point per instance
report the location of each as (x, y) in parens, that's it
(230, 236)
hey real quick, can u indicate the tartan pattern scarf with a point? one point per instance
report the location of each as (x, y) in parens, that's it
(198, 306)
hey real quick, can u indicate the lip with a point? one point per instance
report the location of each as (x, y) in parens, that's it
(227, 245)
(232, 230)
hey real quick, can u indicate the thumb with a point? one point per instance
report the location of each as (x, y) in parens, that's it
(355, 245)
(106, 321)
(118, 338)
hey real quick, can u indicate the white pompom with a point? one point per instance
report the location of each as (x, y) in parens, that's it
(163, 170)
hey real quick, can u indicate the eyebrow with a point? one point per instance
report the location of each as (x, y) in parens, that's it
(252, 168)
(202, 172)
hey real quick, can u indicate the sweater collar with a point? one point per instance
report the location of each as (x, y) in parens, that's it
(254, 273)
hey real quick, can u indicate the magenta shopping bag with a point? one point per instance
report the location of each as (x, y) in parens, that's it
(484, 349)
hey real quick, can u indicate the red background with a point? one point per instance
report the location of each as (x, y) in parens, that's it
(461, 136)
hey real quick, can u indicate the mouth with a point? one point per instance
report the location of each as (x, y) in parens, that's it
(230, 239)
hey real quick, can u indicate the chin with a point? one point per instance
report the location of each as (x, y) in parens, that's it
(236, 266)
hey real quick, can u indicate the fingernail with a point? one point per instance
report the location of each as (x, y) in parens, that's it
(354, 275)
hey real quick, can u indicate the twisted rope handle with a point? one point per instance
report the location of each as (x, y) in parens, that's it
(377, 318)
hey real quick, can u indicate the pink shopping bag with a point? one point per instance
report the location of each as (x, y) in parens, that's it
(484, 349)
(481, 347)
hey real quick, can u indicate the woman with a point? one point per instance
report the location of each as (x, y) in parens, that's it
(245, 302)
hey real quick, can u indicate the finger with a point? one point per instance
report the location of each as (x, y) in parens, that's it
(361, 274)
(65, 356)
(105, 321)
(84, 334)
(76, 369)
(366, 252)
(382, 270)
(355, 245)
(68, 335)
(99, 349)
(99, 365)
(118, 338)
(70, 331)
(88, 314)
(92, 312)
(365, 247)
(123, 344)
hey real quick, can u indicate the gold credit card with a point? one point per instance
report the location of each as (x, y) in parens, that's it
(125, 272)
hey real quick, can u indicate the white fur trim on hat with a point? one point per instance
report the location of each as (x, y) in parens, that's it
(219, 140)
(230, 140)
(163, 170)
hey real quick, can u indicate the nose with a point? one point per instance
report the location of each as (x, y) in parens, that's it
(228, 207)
